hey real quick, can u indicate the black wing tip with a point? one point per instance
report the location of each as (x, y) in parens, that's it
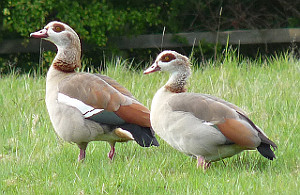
(146, 142)
(266, 151)
(264, 148)
(145, 139)
(142, 135)
(155, 142)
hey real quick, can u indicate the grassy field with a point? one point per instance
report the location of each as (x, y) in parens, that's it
(34, 161)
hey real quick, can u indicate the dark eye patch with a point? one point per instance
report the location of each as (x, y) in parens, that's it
(167, 57)
(58, 28)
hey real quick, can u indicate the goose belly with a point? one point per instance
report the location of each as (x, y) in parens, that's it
(190, 135)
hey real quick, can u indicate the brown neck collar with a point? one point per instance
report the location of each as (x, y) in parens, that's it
(178, 84)
(64, 66)
(67, 59)
(175, 88)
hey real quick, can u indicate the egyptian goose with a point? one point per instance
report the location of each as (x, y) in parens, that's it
(86, 107)
(200, 125)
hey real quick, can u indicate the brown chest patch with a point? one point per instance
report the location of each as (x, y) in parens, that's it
(175, 89)
(64, 66)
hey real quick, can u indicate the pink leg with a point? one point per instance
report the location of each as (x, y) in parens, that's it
(112, 151)
(202, 163)
(81, 155)
(82, 147)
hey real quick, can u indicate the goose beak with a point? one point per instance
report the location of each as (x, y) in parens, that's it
(152, 68)
(39, 34)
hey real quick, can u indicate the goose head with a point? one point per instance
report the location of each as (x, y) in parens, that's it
(66, 41)
(58, 33)
(177, 65)
(170, 61)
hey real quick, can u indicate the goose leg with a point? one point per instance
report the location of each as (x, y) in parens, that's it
(82, 148)
(112, 150)
(81, 155)
(202, 163)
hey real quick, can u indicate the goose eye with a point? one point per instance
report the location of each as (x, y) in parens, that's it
(168, 58)
(57, 29)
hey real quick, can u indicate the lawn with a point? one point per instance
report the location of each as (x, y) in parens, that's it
(34, 161)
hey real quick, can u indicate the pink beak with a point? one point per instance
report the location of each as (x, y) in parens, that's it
(152, 68)
(39, 34)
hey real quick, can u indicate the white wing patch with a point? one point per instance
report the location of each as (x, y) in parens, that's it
(208, 123)
(85, 109)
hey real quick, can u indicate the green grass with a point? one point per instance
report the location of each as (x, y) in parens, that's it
(34, 161)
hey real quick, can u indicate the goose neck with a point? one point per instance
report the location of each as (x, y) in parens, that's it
(67, 59)
(177, 82)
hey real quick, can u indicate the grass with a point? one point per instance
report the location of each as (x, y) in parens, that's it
(34, 161)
